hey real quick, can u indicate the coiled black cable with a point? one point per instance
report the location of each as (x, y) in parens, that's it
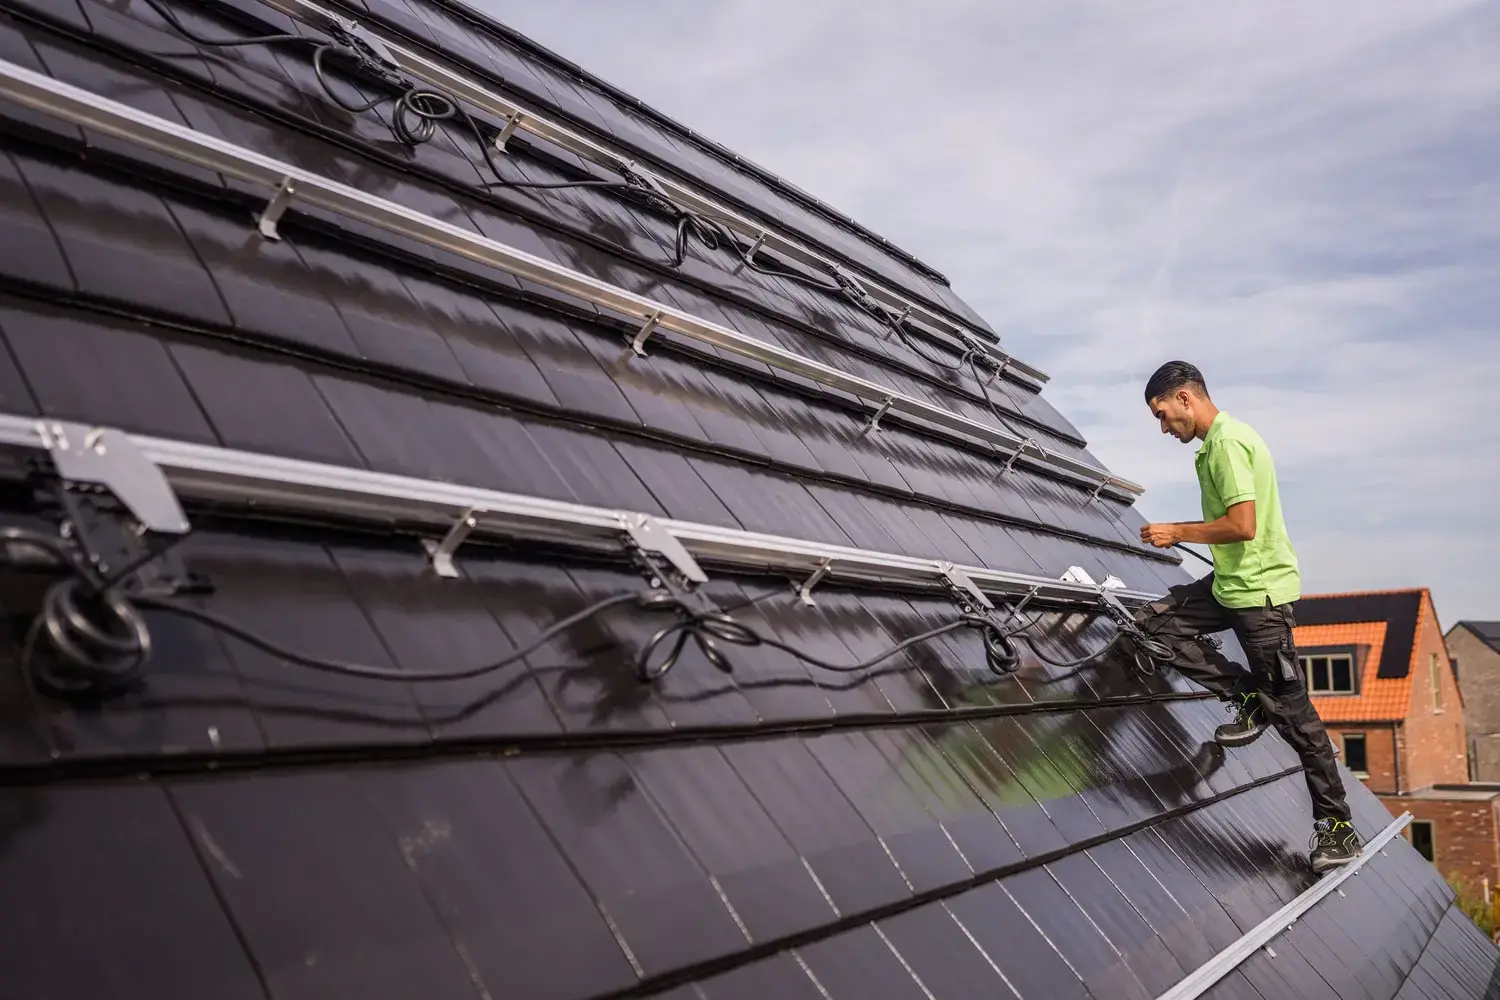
(416, 111)
(102, 642)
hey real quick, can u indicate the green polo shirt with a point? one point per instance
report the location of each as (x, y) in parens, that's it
(1234, 465)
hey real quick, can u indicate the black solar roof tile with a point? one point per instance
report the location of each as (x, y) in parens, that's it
(148, 855)
(662, 903)
(321, 894)
(496, 878)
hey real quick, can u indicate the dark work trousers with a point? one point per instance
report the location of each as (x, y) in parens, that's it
(1189, 611)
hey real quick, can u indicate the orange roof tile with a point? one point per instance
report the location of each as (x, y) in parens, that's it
(1379, 698)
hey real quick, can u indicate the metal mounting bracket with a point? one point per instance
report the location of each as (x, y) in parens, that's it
(1077, 574)
(271, 214)
(1015, 612)
(102, 456)
(804, 592)
(964, 584)
(638, 345)
(760, 241)
(1010, 463)
(1099, 490)
(512, 121)
(442, 552)
(873, 427)
(996, 372)
(648, 535)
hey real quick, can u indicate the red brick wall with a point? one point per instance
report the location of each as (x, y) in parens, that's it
(1479, 680)
(1433, 743)
(1464, 833)
(1380, 752)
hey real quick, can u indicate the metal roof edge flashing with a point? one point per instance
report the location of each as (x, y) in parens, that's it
(287, 185)
(148, 475)
(1201, 979)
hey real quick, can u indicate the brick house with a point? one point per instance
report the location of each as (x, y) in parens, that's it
(1475, 648)
(1379, 673)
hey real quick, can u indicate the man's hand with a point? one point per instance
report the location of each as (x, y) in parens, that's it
(1238, 525)
(1163, 536)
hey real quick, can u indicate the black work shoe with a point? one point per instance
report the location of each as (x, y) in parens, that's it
(1334, 843)
(1249, 722)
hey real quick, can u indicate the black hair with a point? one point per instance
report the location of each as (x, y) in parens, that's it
(1173, 376)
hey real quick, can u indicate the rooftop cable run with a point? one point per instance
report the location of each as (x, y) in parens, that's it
(116, 500)
(383, 64)
(292, 184)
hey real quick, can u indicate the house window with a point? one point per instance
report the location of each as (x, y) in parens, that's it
(1437, 682)
(1354, 754)
(1422, 838)
(1329, 673)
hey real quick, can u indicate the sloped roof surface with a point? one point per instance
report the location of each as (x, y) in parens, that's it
(1399, 609)
(241, 826)
(1488, 632)
(1378, 698)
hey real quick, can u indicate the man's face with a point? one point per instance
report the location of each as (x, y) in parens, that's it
(1174, 412)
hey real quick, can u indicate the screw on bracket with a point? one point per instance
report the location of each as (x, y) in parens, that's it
(512, 120)
(1099, 490)
(638, 345)
(1010, 463)
(274, 209)
(442, 552)
(873, 427)
(804, 591)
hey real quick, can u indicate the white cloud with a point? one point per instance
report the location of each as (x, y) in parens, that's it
(1298, 197)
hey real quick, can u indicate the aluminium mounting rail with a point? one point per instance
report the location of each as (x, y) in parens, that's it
(518, 118)
(151, 475)
(289, 184)
(1198, 982)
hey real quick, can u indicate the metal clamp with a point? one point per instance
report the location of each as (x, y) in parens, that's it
(512, 121)
(760, 241)
(638, 345)
(1111, 604)
(645, 535)
(271, 214)
(1099, 490)
(442, 552)
(1010, 463)
(105, 457)
(114, 505)
(963, 585)
(873, 427)
(804, 591)
(1015, 612)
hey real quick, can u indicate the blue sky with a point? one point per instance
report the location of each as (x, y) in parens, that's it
(1302, 199)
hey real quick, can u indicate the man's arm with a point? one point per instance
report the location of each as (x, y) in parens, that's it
(1237, 525)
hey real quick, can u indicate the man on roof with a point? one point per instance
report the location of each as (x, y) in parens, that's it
(1254, 582)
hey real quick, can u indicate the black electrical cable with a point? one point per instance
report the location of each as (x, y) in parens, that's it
(102, 640)
(1195, 554)
(1000, 653)
(170, 16)
(418, 111)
